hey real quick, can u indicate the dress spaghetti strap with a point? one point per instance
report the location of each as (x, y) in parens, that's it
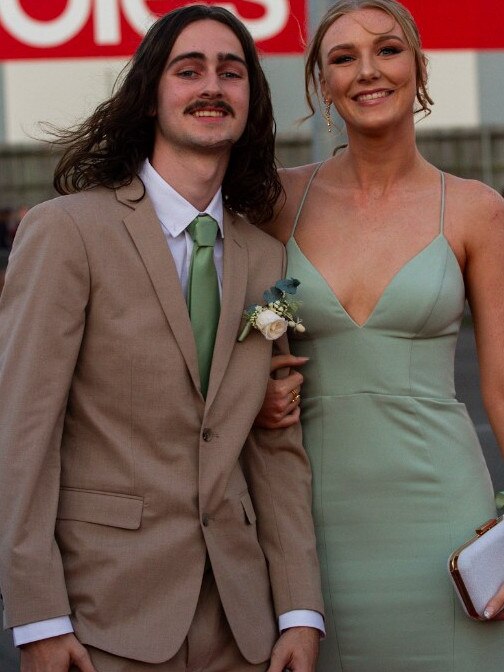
(442, 209)
(319, 166)
(305, 194)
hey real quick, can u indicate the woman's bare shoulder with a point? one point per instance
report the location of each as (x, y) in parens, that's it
(473, 200)
(297, 177)
(477, 211)
(294, 181)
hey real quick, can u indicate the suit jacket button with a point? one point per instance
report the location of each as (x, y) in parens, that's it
(205, 519)
(207, 434)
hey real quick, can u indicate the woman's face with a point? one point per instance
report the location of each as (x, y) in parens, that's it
(368, 70)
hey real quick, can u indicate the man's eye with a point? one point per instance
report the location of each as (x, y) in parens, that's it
(231, 75)
(187, 74)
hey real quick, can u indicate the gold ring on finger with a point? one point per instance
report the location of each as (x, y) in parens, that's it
(295, 394)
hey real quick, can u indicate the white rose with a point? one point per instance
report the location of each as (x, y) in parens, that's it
(271, 325)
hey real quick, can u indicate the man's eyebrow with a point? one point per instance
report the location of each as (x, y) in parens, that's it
(200, 56)
(231, 57)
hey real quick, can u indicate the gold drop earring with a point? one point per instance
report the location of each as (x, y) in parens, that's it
(327, 114)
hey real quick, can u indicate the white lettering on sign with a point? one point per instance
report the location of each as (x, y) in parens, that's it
(276, 16)
(138, 15)
(36, 33)
(107, 20)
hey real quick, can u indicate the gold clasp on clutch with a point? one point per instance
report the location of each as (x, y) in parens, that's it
(486, 526)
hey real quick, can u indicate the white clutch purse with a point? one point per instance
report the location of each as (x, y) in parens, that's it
(477, 567)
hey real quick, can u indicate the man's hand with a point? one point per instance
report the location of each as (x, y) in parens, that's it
(296, 650)
(281, 404)
(55, 654)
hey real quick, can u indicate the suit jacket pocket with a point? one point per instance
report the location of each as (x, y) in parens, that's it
(248, 507)
(102, 508)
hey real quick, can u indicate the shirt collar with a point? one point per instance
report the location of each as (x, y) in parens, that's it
(172, 209)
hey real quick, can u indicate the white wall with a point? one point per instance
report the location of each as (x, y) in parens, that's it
(59, 92)
(62, 92)
(454, 87)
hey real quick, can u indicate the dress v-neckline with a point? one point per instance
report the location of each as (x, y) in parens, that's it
(362, 325)
(390, 283)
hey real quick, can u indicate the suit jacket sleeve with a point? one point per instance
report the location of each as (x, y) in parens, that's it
(279, 477)
(42, 318)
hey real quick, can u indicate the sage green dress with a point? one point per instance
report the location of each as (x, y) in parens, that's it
(399, 475)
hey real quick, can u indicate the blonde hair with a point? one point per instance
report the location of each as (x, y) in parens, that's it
(398, 12)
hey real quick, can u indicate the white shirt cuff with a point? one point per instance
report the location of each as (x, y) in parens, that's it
(33, 632)
(301, 618)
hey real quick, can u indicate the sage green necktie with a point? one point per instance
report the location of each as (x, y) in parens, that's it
(203, 293)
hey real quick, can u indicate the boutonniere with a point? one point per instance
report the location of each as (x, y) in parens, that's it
(273, 319)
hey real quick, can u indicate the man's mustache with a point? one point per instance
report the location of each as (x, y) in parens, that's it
(204, 104)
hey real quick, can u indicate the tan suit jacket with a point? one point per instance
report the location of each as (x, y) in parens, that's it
(116, 476)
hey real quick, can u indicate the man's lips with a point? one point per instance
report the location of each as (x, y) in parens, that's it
(216, 110)
(366, 96)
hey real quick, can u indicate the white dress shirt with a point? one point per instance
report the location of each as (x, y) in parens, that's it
(175, 214)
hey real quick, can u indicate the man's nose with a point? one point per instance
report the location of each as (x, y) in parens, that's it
(212, 85)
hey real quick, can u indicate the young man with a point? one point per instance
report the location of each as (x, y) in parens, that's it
(145, 524)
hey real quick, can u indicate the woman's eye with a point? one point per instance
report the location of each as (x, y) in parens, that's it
(389, 51)
(338, 60)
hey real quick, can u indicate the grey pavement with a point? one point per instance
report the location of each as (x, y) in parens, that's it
(9, 659)
(467, 385)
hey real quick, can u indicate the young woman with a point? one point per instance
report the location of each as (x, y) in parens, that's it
(387, 249)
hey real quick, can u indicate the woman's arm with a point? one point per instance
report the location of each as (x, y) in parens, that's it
(484, 276)
(281, 404)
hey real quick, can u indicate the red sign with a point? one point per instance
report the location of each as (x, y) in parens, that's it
(101, 28)
(464, 24)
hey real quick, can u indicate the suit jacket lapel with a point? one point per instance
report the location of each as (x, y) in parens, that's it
(146, 232)
(234, 285)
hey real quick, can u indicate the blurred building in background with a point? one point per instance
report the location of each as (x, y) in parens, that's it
(60, 58)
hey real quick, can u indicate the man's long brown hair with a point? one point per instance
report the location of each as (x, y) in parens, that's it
(109, 146)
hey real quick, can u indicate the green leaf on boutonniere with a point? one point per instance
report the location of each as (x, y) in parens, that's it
(287, 285)
(272, 294)
(249, 312)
